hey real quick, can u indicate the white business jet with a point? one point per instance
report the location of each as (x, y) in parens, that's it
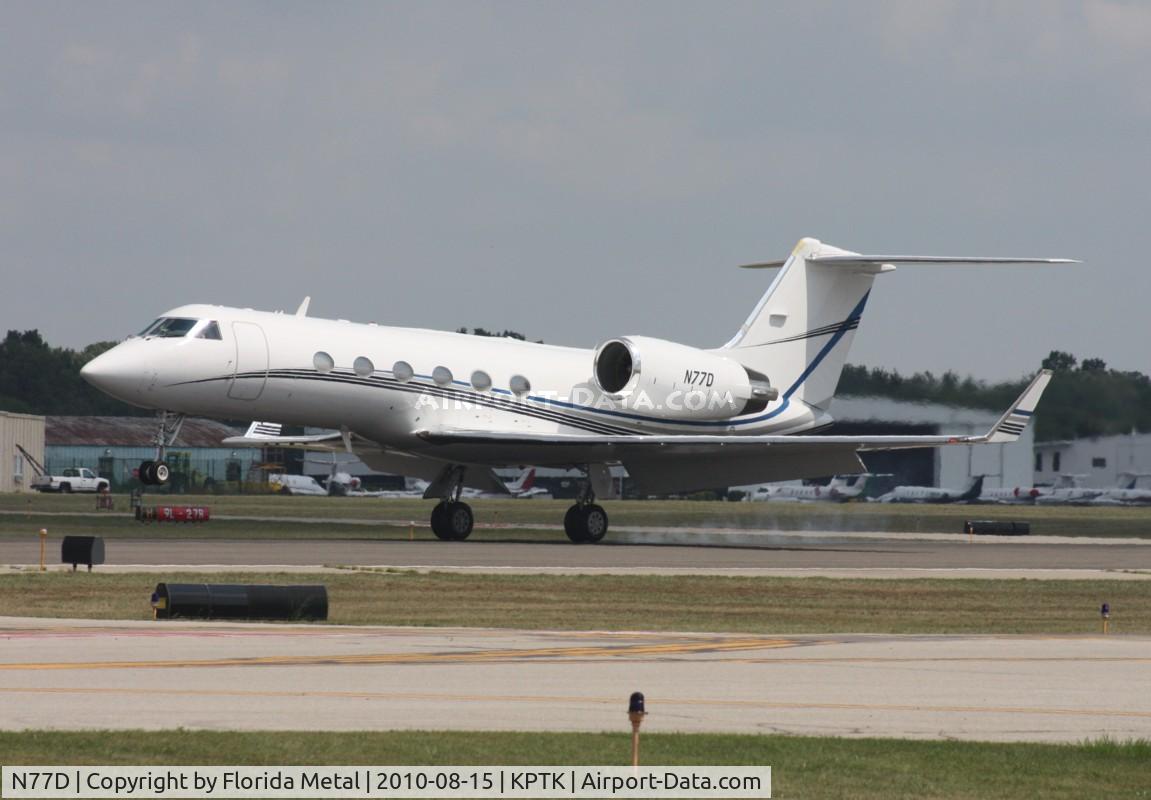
(934, 494)
(449, 407)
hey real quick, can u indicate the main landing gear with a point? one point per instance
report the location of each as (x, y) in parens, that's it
(586, 522)
(452, 520)
(156, 472)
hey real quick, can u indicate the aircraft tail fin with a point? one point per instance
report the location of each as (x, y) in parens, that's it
(973, 490)
(524, 482)
(800, 332)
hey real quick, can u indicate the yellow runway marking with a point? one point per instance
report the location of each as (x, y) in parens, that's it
(943, 660)
(587, 651)
(573, 700)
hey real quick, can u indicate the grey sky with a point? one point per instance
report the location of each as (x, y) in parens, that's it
(579, 171)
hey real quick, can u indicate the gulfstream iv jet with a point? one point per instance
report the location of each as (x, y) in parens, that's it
(448, 408)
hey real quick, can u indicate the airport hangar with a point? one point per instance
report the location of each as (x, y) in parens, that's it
(1100, 462)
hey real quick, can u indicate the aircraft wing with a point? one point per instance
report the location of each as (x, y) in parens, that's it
(665, 463)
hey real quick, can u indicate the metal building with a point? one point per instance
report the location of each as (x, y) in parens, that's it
(1099, 463)
(27, 431)
(113, 447)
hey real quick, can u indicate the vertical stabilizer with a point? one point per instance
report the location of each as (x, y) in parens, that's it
(801, 330)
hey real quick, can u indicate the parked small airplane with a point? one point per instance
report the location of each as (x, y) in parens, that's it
(1125, 495)
(1069, 491)
(449, 407)
(840, 489)
(523, 486)
(932, 494)
(1009, 496)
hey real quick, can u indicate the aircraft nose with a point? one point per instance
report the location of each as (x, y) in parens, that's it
(111, 373)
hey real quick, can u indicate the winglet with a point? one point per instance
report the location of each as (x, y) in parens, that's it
(302, 311)
(268, 434)
(1015, 421)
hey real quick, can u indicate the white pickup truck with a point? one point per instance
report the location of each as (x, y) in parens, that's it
(73, 479)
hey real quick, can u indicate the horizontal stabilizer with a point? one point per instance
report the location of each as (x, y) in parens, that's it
(861, 260)
(854, 260)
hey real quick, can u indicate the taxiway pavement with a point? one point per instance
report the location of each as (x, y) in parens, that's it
(814, 552)
(153, 675)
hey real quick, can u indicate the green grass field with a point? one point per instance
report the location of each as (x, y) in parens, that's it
(296, 512)
(643, 602)
(802, 767)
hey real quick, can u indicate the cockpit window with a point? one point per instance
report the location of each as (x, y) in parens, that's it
(179, 327)
(149, 327)
(173, 328)
(208, 330)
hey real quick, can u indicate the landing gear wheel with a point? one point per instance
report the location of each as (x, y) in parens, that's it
(439, 523)
(595, 523)
(160, 473)
(147, 472)
(574, 525)
(460, 520)
(585, 523)
(452, 521)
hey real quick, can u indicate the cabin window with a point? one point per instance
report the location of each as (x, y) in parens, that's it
(323, 362)
(1099, 463)
(481, 381)
(1056, 459)
(519, 385)
(442, 376)
(403, 371)
(1038, 462)
(363, 366)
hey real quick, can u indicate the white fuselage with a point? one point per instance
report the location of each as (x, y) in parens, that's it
(272, 366)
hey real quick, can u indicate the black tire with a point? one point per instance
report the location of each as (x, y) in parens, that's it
(595, 523)
(574, 525)
(65, 488)
(440, 522)
(285, 491)
(452, 521)
(101, 487)
(460, 521)
(147, 477)
(161, 473)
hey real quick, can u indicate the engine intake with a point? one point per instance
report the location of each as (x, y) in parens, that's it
(674, 381)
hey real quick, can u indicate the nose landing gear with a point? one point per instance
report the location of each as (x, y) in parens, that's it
(156, 472)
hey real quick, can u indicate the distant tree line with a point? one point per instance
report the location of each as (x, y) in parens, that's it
(1085, 399)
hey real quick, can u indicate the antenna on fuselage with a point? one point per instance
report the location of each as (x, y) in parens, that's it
(302, 311)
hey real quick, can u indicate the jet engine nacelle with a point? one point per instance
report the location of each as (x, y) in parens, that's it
(674, 381)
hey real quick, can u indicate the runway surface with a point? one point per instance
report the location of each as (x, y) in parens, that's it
(828, 552)
(88, 674)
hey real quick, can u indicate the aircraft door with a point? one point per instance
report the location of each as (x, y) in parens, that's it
(251, 361)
